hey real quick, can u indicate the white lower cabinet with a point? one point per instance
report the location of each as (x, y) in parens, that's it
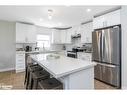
(84, 56)
(20, 62)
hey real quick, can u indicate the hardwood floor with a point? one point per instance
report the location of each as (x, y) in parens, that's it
(12, 80)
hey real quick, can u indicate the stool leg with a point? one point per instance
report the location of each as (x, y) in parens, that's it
(25, 76)
(28, 78)
(31, 84)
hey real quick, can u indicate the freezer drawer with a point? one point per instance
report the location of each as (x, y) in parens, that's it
(108, 73)
(98, 72)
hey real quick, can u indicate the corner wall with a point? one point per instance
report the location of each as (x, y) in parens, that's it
(7, 46)
(124, 46)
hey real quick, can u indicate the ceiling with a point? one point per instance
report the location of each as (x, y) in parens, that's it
(62, 16)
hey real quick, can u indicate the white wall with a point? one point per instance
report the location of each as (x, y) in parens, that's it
(47, 31)
(7, 45)
(124, 46)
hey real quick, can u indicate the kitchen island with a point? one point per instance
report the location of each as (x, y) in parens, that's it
(73, 73)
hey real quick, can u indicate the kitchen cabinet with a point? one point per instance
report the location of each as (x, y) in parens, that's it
(68, 37)
(76, 30)
(25, 33)
(65, 37)
(56, 36)
(109, 19)
(84, 56)
(86, 32)
(20, 61)
(61, 37)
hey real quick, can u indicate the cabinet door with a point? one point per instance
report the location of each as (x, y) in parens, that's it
(21, 31)
(31, 34)
(56, 37)
(83, 34)
(113, 18)
(109, 19)
(63, 36)
(68, 36)
(20, 62)
(98, 22)
(86, 33)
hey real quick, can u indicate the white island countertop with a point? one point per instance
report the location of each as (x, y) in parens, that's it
(63, 65)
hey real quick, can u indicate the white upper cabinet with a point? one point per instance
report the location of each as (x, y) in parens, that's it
(68, 37)
(109, 19)
(25, 33)
(75, 30)
(61, 36)
(86, 32)
(56, 36)
(20, 32)
(65, 37)
(31, 34)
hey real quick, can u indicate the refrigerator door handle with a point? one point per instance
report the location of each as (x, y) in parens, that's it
(102, 44)
(99, 41)
(108, 65)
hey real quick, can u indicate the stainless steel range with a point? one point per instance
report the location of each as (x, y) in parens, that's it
(107, 52)
(72, 54)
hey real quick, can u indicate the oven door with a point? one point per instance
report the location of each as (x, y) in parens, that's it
(71, 54)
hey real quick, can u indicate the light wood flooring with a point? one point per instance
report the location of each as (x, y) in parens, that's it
(12, 80)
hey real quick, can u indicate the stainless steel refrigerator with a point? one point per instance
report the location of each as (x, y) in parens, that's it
(107, 53)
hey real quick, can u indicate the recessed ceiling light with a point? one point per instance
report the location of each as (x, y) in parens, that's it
(59, 23)
(49, 17)
(88, 10)
(50, 13)
(40, 19)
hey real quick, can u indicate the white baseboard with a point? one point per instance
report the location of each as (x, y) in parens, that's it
(124, 88)
(20, 70)
(7, 69)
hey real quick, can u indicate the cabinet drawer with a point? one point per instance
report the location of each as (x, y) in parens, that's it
(20, 66)
(20, 60)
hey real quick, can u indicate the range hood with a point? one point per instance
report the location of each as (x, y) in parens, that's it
(76, 36)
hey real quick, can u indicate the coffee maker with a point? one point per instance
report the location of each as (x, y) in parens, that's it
(28, 48)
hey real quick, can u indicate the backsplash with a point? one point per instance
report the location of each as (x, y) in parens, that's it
(76, 42)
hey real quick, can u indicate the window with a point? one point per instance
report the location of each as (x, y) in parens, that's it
(43, 41)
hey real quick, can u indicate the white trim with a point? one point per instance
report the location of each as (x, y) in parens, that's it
(124, 88)
(20, 70)
(7, 69)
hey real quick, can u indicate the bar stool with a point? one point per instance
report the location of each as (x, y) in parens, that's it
(38, 76)
(50, 83)
(31, 69)
(26, 71)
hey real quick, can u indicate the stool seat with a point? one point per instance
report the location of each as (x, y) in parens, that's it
(35, 68)
(38, 76)
(31, 68)
(51, 83)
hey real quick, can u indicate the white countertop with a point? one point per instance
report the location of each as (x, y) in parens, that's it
(62, 66)
(41, 51)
